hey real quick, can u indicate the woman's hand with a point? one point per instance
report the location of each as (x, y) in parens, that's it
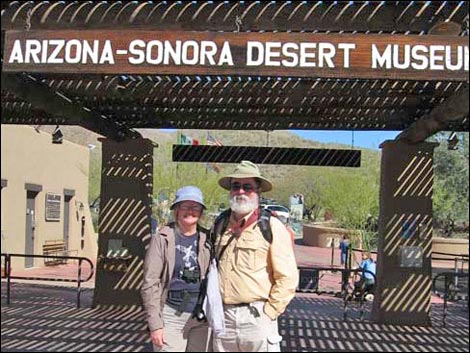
(157, 337)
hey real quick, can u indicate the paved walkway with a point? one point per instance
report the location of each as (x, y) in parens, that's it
(45, 318)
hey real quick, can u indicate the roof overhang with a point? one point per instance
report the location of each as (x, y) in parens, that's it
(278, 65)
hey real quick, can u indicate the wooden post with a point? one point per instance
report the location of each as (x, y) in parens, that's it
(403, 292)
(125, 220)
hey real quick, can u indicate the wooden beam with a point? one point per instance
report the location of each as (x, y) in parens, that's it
(454, 108)
(52, 102)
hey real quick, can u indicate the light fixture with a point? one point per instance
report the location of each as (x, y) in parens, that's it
(57, 135)
(80, 206)
(452, 142)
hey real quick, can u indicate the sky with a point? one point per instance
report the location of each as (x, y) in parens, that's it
(364, 139)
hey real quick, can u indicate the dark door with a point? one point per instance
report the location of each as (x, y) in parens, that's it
(30, 227)
(66, 220)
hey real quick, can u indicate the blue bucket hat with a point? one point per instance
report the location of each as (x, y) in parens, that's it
(188, 193)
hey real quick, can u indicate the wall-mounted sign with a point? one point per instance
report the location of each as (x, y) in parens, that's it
(367, 56)
(53, 204)
(411, 256)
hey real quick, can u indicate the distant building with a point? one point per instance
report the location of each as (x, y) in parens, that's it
(44, 196)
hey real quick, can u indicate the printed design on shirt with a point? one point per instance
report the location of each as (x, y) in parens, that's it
(189, 256)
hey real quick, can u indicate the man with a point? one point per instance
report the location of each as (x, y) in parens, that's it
(257, 276)
(344, 249)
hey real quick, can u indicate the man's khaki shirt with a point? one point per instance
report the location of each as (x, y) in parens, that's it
(252, 269)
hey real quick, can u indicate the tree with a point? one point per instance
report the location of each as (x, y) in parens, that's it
(353, 199)
(450, 198)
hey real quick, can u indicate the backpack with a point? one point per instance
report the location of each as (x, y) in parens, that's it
(221, 223)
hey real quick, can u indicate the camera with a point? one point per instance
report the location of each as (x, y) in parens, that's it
(190, 276)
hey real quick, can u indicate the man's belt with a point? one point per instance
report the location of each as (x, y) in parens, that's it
(251, 307)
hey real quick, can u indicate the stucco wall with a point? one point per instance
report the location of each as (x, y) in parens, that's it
(28, 156)
(450, 246)
(322, 235)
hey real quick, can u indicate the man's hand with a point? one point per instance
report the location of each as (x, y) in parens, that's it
(157, 337)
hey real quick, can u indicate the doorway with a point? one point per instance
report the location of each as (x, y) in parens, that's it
(32, 191)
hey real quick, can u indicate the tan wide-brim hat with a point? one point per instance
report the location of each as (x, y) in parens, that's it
(246, 169)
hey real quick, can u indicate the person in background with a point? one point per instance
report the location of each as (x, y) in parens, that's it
(257, 277)
(154, 221)
(344, 249)
(176, 262)
(367, 280)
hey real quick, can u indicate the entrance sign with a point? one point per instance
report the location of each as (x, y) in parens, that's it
(268, 155)
(366, 56)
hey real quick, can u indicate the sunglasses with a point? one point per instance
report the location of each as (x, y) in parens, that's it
(190, 208)
(247, 187)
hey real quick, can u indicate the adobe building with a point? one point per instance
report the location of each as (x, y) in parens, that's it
(44, 196)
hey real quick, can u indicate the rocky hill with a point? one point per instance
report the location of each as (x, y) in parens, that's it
(283, 176)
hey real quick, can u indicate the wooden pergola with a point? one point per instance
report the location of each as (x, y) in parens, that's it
(113, 67)
(115, 104)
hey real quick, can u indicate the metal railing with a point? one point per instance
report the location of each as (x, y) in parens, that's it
(79, 279)
(459, 261)
(309, 283)
(451, 291)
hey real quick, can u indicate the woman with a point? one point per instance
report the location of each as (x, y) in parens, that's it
(175, 264)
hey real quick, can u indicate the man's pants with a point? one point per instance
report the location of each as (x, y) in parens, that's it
(182, 333)
(248, 329)
(343, 258)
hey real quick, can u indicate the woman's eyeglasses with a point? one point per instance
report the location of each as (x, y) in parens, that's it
(191, 208)
(247, 187)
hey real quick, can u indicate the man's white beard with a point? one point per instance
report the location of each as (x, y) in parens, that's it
(243, 204)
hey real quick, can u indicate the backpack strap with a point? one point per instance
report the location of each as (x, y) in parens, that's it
(264, 225)
(220, 225)
(206, 232)
(222, 221)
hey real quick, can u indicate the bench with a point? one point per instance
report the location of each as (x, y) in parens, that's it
(54, 248)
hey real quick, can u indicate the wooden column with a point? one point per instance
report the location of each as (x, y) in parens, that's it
(403, 293)
(124, 220)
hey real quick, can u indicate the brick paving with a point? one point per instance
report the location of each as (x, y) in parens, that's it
(45, 318)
